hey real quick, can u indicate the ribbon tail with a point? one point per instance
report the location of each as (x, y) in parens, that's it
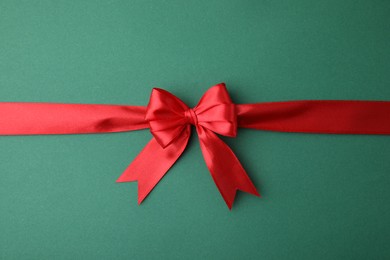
(153, 163)
(225, 168)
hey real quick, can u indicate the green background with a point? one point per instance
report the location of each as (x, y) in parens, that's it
(323, 196)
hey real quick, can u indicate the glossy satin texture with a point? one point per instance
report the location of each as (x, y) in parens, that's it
(170, 120)
(317, 116)
(53, 118)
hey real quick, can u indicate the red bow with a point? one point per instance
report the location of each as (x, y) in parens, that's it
(170, 123)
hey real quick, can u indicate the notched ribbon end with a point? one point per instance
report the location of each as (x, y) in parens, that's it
(230, 202)
(124, 178)
(142, 194)
(127, 178)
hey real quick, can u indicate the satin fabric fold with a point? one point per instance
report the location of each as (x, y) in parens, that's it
(169, 120)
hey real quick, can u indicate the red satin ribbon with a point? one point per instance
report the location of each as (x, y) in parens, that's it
(170, 120)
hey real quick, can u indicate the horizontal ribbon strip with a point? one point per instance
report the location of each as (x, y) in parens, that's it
(170, 120)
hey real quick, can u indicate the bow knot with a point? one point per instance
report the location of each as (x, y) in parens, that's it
(191, 117)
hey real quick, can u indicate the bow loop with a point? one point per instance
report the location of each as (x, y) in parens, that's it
(216, 111)
(165, 114)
